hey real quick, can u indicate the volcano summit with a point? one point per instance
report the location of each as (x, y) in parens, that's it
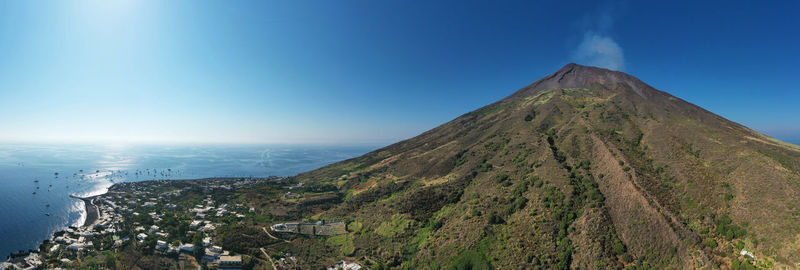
(584, 168)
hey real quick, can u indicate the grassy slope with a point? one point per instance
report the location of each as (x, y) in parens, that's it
(585, 168)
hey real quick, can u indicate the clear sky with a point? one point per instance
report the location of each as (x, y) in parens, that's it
(367, 71)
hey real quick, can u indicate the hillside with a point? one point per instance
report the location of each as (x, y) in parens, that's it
(584, 168)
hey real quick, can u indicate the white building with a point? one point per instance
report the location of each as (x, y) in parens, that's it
(211, 256)
(195, 223)
(747, 253)
(230, 259)
(54, 248)
(161, 245)
(208, 228)
(76, 247)
(345, 265)
(187, 247)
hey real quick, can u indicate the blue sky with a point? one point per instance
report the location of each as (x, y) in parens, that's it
(367, 71)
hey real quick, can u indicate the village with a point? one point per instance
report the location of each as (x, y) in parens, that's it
(174, 224)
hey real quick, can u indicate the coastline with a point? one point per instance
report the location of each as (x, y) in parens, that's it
(92, 212)
(102, 219)
(92, 215)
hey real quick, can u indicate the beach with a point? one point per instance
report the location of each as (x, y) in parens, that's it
(92, 213)
(51, 209)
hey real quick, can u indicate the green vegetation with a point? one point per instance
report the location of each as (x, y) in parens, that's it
(461, 157)
(742, 265)
(503, 179)
(689, 148)
(727, 229)
(547, 157)
(710, 243)
(470, 260)
(354, 226)
(495, 109)
(493, 218)
(397, 225)
(344, 242)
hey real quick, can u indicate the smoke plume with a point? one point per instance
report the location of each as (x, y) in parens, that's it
(597, 48)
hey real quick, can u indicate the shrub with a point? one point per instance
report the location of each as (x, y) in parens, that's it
(742, 265)
(619, 248)
(518, 204)
(461, 157)
(529, 257)
(726, 228)
(710, 243)
(470, 260)
(494, 219)
(437, 224)
(627, 258)
(475, 213)
(538, 182)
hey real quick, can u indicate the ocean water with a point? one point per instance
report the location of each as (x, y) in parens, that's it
(53, 172)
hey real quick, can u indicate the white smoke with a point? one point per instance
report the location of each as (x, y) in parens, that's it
(599, 50)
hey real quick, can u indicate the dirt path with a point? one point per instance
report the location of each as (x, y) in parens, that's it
(273, 237)
(270, 258)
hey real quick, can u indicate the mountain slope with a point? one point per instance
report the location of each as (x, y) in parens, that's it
(585, 168)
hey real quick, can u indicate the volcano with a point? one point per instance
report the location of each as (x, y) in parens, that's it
(584, 168)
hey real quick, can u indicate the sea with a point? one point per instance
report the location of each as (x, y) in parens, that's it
(37, 179)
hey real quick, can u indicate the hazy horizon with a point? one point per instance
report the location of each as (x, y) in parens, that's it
(332, 73)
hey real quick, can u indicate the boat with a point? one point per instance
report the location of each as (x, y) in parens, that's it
(47, 214)
(36, 181)
(34, 193)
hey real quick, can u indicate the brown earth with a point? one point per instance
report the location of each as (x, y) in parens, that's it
(585, 168)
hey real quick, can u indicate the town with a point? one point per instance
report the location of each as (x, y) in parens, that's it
(187, 224)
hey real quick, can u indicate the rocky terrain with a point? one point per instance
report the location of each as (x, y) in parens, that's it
(585, 168)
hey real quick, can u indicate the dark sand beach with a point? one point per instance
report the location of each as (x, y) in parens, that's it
(92, 213)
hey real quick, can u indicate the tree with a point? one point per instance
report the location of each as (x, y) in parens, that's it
(710, 243)
(198, 246)
(528, 118)
(149, 245)
(619, 248)
(111, 261)
(494, 219)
